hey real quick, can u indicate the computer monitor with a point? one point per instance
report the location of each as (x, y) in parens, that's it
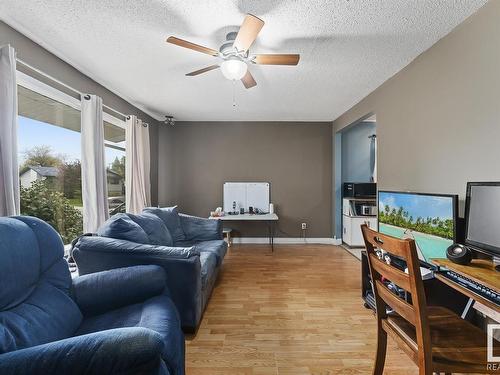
(482, 217)
(429, 219)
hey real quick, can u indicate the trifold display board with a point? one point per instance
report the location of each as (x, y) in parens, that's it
(246, 194)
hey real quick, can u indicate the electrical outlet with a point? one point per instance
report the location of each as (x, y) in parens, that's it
(304, 226)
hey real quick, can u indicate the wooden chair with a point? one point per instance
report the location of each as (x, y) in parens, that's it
(435, 338)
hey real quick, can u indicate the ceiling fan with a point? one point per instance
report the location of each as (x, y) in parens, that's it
(235, 53)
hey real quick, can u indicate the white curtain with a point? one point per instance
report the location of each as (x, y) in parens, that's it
(137, 166)
(9, 168)
(94, 179)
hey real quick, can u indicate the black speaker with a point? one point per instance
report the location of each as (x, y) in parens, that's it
(459, 254)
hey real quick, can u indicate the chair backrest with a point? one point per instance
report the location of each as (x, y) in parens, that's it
(415, 312)
(35, 302)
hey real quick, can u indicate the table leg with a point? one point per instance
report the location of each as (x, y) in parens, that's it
(269, 232)
(466, 314)
(271, 226)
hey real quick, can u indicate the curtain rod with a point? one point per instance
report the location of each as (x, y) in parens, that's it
(75, 91)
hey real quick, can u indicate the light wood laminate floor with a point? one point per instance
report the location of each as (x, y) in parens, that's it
(296, 311)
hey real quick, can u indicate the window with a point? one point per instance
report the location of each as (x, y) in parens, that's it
(114, 144)
(49, 162)
(50, 157)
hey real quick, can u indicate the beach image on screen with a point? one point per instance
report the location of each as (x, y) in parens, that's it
(425, 218)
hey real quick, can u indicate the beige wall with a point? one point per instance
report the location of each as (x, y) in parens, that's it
(294, 157)
(438, 120)
(40, 58)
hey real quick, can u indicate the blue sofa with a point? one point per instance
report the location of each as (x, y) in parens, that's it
(114, 322)
(189, 248)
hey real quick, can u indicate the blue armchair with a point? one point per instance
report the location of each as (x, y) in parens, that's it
(117, 321)
(190, 249)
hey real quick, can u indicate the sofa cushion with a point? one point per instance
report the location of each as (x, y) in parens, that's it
(200, 229)
(156, 230)
(218, 247)
(208, 262)
(122, 227)
(158, 314)
(170, 217)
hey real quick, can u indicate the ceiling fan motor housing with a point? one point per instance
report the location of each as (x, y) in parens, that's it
(227, 47)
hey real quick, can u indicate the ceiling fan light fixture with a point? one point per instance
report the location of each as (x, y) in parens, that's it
(234, 69)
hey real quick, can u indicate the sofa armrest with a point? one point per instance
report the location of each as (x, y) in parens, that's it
(201, 229)
(113, 245)
(117, 288)
(182, 266)
(115, 351)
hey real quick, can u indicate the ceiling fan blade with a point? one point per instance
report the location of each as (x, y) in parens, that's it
(277, 59)
(248, 32)
(248, 80)
(204, 70)
(196, 47)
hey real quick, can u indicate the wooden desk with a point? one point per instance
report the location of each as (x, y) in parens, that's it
(270, 219)
(480, 271)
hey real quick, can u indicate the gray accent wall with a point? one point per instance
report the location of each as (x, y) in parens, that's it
(296, 158)
(38, 57)
(438, 120)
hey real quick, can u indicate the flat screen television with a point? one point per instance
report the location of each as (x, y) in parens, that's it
(429, 219)
(482, 217)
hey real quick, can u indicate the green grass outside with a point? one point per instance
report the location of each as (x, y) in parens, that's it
(76, 202)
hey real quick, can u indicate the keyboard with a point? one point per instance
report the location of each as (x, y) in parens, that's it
(487, 293)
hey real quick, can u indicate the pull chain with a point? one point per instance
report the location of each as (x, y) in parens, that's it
(234, 95)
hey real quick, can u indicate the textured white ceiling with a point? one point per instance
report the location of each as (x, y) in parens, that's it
(348, 48)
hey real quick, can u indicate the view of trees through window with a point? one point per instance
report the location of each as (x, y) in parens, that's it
(114, 145)
(51, 190)
(50, 163)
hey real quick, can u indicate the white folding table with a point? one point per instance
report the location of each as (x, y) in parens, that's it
(270, 219)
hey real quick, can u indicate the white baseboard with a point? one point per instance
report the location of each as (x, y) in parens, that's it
(282, 240)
